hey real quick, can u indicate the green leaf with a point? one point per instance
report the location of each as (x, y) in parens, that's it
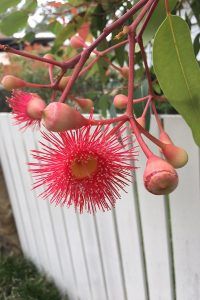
(98, 20)
(55, 27)
(13, 22)
(102, 66)
(5, 4)
(30, 36)
(120, 55)
(156, 19)
(103, 105)
(177, 70)
(65, 33)
(30, 5)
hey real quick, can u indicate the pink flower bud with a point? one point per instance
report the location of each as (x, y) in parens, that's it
(84, 30)
(120, 101)
(35, 107)
(63, 82)
(125, 72)
(160, 178)
(60, 117)
(141, 121)
(85, 104)
(48, 56)
(176, 156)
(10, 82)
(77, 42)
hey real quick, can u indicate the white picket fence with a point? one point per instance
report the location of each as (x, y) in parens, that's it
(148, 247)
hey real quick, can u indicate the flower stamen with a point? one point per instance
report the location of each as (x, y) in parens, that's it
(84, 167)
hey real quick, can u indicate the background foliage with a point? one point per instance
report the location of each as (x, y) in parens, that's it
(19, 280)
(65, 18)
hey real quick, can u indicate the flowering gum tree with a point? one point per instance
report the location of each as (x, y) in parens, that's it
(84, 161)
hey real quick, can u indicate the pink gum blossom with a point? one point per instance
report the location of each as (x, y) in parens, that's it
(160, 178)
(61, 117)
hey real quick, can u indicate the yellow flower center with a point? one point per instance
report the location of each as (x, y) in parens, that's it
(82, 168)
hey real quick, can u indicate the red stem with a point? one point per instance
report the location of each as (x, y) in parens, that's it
(150, 136)
(141, 15)
(6, 48)
(146, 21)
(167, 7)
(111, 64)
(86, 53)
(108, 121)
(37, 85)
(146, 107)
(158, 121)
(131, 39)
(139, 138)
(101, 53)
(89, 66)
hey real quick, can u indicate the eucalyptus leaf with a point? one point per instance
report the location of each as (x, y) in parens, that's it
(30, 5)
(177, 70)
(14, 22)
(5, 4)
(65, 33)
(103, 105)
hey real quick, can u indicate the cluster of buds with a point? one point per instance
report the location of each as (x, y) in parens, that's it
(88, 160)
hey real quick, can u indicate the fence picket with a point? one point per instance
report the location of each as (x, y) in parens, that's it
(123, 254)
(19, 184)
(12, 190)
(185, 209)
(80, 264)
(155, 236)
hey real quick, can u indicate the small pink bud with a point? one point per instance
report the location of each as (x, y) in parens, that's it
(48, 56)
(120, 101)
(141, 121)
(60, 117)
(77, 42)
(160, 178)
(84, 30)
(85, 104)
(125, 72)
(10, 82)
(35, 107)
(63, 82)
(176, 156)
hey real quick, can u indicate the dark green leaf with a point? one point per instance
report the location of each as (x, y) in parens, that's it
(102, 66)
(98, 20)
(196, 44)
(196, 9)
(120, 55)
(177, 70)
